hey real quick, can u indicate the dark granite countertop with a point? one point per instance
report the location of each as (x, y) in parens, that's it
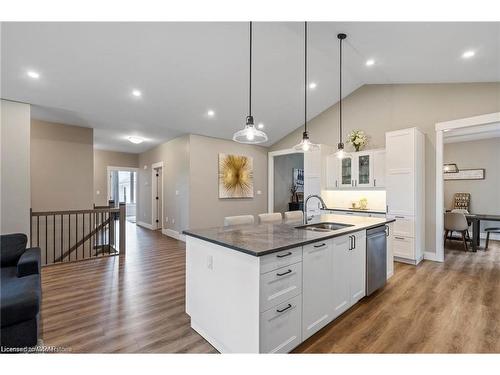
(368, 211)
(264, 239)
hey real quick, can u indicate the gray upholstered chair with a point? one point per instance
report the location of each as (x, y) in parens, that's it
(294, 217)
(456, 222)
(270, 218)
(238, 220)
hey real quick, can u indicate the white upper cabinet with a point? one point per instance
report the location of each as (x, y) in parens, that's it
(363, 169)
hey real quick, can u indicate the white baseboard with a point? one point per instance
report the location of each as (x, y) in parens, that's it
(145, 225)
(174, 234)
(431, 256)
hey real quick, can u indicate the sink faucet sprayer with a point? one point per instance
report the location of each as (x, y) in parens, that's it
(323, 205)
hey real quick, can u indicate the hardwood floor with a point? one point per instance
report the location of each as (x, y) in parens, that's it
(136, 304)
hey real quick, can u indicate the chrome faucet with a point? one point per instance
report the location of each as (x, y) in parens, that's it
(323, 205)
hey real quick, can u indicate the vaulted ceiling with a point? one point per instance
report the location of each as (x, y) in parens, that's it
(87, 71)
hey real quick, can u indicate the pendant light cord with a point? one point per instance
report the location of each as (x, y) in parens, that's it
(250, 84)
(305, 76)
(340, 92)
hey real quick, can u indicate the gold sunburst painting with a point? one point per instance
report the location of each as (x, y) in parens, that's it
(235, 176)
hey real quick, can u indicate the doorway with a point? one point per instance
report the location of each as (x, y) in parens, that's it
(471, 125)
(122, 188)
(157, 196)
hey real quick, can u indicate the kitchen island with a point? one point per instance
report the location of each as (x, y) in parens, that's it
(267, 288)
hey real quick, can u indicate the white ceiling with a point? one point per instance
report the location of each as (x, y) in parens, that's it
(87, 71)
(472, 133)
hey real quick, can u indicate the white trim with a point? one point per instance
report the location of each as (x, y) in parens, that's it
(431, 256)
(174, 234)
(153, 189)
(144, 225)
(270, 173)
(441, 127)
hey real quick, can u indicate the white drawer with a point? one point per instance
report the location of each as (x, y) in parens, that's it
(403, 247)
(280, 285)
(404, 225)
(280, 327)
(280, 259)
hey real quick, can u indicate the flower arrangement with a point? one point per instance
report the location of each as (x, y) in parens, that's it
(358, 139)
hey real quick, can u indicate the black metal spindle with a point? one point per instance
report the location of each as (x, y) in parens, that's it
(46, 245)
(109, 237)
(38, 231)
(69, 237)
(54, 238)
(83, 234)
(31, 227)
(76, 236)
(62, 236)
(102, 233)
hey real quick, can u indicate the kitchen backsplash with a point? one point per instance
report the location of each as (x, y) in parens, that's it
(344, 198)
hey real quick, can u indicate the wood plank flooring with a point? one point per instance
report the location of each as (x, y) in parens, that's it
(136, 304)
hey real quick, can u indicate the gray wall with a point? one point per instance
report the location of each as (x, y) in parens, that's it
(283, 178)
(206, 209)
(381, 108)
(485, 195)
(175, 157)
(15, 167)
(62, 167)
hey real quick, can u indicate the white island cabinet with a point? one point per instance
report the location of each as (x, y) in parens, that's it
(242, 303)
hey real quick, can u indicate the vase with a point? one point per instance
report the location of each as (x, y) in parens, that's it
(357, 147)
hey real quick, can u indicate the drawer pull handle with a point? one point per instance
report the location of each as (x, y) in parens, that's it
(284, 273)
(399, 217)
(399, 238)
(323, 244)
(284, 255)
(286, 308)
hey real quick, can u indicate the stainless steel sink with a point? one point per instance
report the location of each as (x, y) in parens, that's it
(324, 227)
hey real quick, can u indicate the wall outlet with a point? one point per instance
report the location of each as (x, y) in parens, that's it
(177, 192)
(145, 167)
(210, 262)
(98, 192)
(173, 221)
(259, 192)
(166, 219)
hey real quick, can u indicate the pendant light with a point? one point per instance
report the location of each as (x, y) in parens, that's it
(340, 147)
(249, 134)
(305, 144)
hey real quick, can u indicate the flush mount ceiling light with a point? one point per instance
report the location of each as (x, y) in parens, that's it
(340, 147)
(468, 54)
(249, 134)
(210, 113)
(450, 168)
(33, 74)
(137, 93)
(305, 144)
(135, 140)
(370, 62)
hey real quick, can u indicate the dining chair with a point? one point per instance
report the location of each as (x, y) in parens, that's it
(238, 220)
(456, 222)
(488, 231)
(294, 217)
(270, 218)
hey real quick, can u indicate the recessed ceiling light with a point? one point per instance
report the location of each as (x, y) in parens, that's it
(370, 62)
(135, 140)
(313, 85)
(211, 113)
(136, 93)
(33, 74)
(260, 126)
(468, 54)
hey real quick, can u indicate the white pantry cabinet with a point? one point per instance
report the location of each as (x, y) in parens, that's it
(405, 192)
(317, 298)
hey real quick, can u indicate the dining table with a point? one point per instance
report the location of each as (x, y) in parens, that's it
(475, 220)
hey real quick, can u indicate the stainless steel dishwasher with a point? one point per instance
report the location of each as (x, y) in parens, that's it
(376, 259)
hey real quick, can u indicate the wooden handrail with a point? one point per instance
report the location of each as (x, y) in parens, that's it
(71, 212)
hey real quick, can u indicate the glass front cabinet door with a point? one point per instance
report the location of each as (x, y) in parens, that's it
(364, 170)
(346, 171)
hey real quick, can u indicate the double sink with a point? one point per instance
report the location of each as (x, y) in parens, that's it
(324, 227)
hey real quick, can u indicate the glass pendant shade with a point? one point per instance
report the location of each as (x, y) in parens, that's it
(250, 134)
(450, 168)
(340, 151)
(305, 144)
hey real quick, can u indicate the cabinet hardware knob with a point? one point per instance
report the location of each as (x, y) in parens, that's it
(354, 240)
(400, 238)
(321, 245)
(286, 308)
(284, 255)
(284, 273)
(374, 182)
